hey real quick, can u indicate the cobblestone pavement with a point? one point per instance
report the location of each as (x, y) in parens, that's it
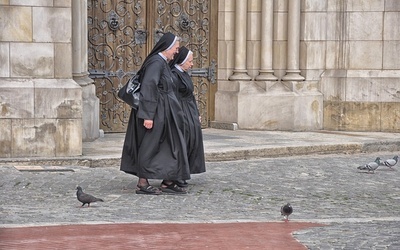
(360, 210)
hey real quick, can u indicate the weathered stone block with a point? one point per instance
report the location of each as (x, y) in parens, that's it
(32, 60)
(33, 137)
(392, 24)
(363, 89)
(392, 5)
(365, 5)
(269, 106)
(365, 55)
(335, 22)
(352, 116)
(16, 99)
(63, 60)
(4, 60)
(68, 137)
(313, 26)
(51, 101)
(361, 116)
(333, 115)
(226, 103)
(390, 117)
(308, 111)
(62, 3)
(391, 55)
(333, 88)
(52, 24)
(312, 55)
(32, 2)
(314, 5)
(5, 138)
(90, 107)
(389, 90)
(270, 111)
(365, 26)
(15, 24)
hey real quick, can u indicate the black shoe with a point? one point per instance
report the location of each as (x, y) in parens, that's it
(172, 188)
(181, 183)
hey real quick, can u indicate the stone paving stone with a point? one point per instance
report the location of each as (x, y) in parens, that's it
(324, 189)
(367, 235)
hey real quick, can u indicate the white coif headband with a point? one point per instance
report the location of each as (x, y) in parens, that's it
(187, 57)
(173, 43)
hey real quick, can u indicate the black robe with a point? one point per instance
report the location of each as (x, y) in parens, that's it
(158, 153)
(192, 132)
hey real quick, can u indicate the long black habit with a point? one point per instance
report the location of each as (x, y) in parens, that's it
(160, 152)
(192, 132)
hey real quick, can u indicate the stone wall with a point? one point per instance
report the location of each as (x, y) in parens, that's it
(275, 95)
(348, 76)
(361, 84)
(40, 104)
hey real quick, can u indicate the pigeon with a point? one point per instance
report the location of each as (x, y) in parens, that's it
(86, 198)
(286, 210)
(390, 162)
(372, 166)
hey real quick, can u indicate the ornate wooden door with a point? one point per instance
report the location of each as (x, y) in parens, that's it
(121, 34)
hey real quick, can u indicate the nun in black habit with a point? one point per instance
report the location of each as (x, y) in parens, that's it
(181, 63)
(154, 146)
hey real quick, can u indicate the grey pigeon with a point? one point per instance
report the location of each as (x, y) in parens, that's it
(86, 198)
(390, 162)
(372, 166)
(286, 210)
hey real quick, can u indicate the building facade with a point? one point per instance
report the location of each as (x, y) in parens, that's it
(309, 65)
(295, 65)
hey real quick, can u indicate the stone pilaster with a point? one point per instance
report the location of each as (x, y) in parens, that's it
(240, 70)
(293, 48)
(266, 72)
(90, 118)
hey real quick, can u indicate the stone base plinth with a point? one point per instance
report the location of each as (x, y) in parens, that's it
(269, 105)
(40, 118)
(361, 100)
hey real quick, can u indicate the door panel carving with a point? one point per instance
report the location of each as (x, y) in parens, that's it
(191, 21)
(116, 50)
(122, 33)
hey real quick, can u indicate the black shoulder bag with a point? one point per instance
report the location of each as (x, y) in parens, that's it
(130, 92)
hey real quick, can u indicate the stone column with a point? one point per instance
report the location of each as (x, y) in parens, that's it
(91, 103)
(76, 38)
(293, 51)
(240, 71)
(267, 28)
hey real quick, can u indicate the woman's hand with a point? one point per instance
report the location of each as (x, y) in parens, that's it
(148, 124)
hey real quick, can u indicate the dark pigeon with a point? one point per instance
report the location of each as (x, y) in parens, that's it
(286, 210)
(86, 198)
